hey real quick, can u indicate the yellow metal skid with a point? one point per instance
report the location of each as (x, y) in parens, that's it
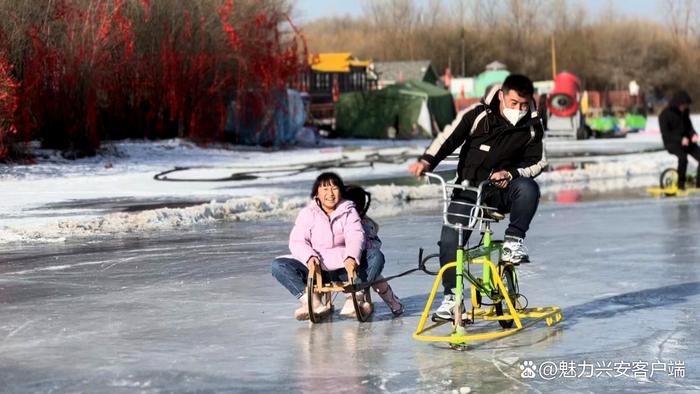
(551, 314)
(671, 191)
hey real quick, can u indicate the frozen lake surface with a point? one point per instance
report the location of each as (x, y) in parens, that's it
(198, 311)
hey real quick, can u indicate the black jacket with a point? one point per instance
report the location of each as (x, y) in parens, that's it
(491, 143)
(675, 124)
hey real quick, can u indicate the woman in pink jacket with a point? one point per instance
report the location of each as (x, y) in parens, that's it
(327, 232)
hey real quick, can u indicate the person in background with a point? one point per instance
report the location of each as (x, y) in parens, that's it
(678, 134)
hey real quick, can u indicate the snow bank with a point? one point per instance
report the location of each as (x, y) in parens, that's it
(124, 172)
(613, 173)
(243, 209)
(391, 198)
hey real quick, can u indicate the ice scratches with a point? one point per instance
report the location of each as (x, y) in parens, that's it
(18, 329)
(107, 264)
(383, 380)
(55, 268)
(692, 388)
(131, 383)
(669, 343)
(511, 365)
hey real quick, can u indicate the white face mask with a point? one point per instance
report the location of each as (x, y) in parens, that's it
(513, 115)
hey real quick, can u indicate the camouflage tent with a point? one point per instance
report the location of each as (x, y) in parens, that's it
(411, 109)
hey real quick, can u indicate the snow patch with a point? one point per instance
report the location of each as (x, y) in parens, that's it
(32, 195)
(243, 209)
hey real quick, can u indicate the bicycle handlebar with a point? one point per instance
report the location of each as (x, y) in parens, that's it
(476, 216)
(445, 185)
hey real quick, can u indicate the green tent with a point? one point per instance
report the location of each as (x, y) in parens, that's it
(410, 109)
(486, 79)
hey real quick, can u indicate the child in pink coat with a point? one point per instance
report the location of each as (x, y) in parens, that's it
(327, 232)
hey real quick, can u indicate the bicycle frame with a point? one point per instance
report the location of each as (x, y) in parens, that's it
(490, 284)
(476, 223)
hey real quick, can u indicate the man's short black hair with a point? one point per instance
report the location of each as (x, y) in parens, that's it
(520, 83)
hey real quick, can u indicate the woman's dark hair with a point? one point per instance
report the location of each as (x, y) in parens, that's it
(328, 178)
(360, 197)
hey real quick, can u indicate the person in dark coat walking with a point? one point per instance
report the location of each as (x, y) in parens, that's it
(679, 136)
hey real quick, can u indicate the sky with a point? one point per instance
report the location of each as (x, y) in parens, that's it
(308, 10)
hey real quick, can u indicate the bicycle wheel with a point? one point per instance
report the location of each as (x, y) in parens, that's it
(669, 179)
(509, 281)
(357, 299)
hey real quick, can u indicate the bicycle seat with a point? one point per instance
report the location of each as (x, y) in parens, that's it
(495, 215)
(475, 215)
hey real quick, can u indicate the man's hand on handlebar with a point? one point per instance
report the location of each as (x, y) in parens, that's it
(501, 179)
(418, 168)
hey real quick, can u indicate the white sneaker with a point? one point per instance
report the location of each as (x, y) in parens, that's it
(446, 310)
(348, 308)
(320, 310)
(514, 250)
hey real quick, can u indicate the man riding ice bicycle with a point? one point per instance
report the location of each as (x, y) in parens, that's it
(501, 139)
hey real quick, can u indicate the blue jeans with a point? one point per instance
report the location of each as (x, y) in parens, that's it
(292, 273)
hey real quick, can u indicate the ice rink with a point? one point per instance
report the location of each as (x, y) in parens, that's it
(198, 311)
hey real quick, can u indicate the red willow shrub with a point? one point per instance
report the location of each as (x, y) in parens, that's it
(8, 107)
(112, 69)
(264, 66)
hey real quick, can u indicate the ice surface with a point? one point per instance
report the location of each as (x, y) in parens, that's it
(196, 310)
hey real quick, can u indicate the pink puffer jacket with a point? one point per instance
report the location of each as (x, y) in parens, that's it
(331, 238)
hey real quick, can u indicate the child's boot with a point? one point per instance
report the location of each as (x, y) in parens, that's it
(391, 300)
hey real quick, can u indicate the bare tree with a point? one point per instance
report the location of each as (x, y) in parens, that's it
(605, 52)
(609, 14)
(397, 21)
(524, 16)
(681, 15)
(435, 10)
(458, 14)
(460, 18)
(563, 16)
(486, 13)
